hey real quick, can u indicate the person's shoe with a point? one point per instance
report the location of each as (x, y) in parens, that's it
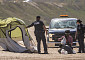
(45, 52)
(78, 52)
(83, 52)
(39, 52)
(5, 50)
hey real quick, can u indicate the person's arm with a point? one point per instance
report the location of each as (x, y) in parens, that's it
(45, 29)
(30, 25)
(59, 39)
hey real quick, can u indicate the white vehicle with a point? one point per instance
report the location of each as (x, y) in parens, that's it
(57, 29)
(27, 1)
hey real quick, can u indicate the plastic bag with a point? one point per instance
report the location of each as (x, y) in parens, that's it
(63, 41)
(74, 52)
(64, 51)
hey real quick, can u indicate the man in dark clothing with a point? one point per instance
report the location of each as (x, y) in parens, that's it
(80, 35)
(40, 34)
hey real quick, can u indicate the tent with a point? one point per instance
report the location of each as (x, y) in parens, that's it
(13, 30)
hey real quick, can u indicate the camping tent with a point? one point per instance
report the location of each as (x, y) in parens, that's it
(12, 30)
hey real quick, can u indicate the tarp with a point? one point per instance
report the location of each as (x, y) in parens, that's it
(8, 29)
(6, 22)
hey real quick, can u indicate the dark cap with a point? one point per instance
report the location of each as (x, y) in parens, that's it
(38, 17)
(67, 31)
(79, 21)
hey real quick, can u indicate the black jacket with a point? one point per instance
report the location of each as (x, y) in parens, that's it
(80, 29)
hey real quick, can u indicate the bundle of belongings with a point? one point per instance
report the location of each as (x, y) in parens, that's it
(13, 30)
(66, 44)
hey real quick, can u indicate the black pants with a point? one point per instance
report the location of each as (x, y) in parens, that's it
(81, 42)
(67, 48)
(69, 45)
(40, 35)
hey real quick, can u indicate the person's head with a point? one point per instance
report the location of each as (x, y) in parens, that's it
(79, 21)
(67, 32)
(38, 18)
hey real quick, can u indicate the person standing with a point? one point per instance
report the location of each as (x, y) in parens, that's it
(40, 34)
(80, 35)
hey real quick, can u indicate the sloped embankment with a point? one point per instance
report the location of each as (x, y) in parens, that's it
(48, 10)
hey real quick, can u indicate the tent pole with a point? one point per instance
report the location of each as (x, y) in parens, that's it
(10, 32)
(3, 32)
